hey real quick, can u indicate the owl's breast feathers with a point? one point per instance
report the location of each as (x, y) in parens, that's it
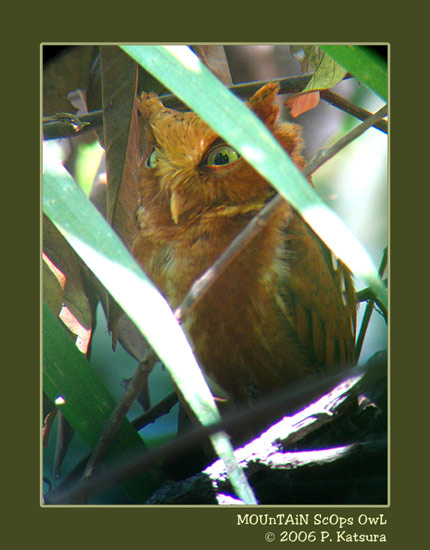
(281, 309)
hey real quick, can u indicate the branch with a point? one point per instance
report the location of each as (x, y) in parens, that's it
(337, 474)
(133, 389)
(66, 125)
(350, 108)
(205, 282)
(325, 154)
(160, 409)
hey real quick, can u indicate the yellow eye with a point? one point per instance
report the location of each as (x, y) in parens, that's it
(152, 161)
(222, 155)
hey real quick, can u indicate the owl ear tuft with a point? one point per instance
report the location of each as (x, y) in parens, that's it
(149, 104)
(263, 104)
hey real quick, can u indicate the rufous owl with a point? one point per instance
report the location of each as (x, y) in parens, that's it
(282, 309)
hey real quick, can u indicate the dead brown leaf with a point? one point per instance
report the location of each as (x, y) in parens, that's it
(65, 261)
(122, 146)
(119, 88)
(52, 289)
(301, 103)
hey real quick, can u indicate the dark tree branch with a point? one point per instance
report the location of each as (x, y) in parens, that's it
(345, 105)
(325, 154)
(117, 417)
(66, 125)
(160, 409)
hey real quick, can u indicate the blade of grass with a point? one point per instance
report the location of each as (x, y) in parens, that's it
(104, 253)
(183, 73)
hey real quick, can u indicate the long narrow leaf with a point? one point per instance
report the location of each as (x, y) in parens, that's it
(104, 253)
(183, 73)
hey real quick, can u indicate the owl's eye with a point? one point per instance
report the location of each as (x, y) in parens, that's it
(152, 160)
(221, 155)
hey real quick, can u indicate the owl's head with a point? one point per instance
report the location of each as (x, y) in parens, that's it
(188, 170)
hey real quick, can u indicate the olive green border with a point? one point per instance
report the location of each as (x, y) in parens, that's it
(207, 527)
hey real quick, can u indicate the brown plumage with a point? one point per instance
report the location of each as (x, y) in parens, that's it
(282, 309)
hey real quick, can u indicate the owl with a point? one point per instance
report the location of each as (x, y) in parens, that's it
(284, 308)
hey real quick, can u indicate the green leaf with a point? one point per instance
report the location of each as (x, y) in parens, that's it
(327, 74)
(183, 73)
(71, 383)
(364, 64)
(105, 254)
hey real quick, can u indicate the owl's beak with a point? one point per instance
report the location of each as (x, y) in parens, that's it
(175, 207)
